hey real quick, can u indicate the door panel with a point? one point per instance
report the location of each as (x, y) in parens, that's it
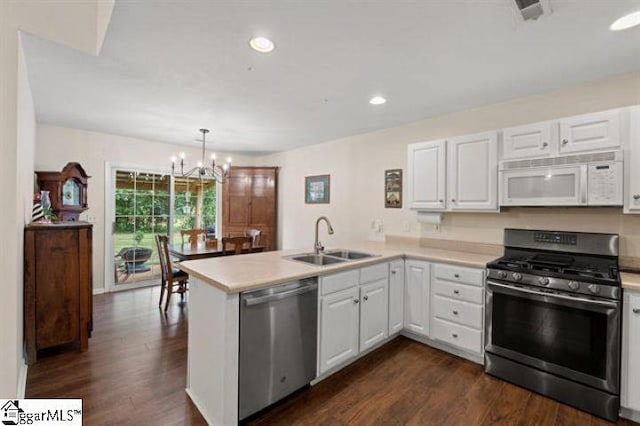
(426, 171)
(590, 132)
(374, 313)
(396, 297)
(532, 140)
(416, 307)
(339, 328)
(631, 351)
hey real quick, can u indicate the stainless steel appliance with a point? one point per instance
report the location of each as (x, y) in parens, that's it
(278, 343)
(575, 180)
(553, 317)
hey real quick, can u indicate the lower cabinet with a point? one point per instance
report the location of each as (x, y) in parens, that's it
(416, 306)
(396, 297)
(631, 351)
(339, 328)
(374, 309)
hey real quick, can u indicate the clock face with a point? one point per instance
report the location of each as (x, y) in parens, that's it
(71, 193)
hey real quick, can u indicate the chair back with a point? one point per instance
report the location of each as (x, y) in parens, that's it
(255, 236)
(162, 242)
(192, 234)
(238, 244)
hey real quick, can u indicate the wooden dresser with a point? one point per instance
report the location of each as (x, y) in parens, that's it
(57, 286)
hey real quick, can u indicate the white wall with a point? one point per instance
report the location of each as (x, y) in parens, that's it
(357, 165)
(57, 146)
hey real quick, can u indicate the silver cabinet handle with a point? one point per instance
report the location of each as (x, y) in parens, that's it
(544, 145)
(356, 301)
(565, 141)
(454, 335)
(455, 312)
(393, 271)
(456, 291)
(365, 298)
(441, 201)
(456, 275)
(636, 310)
(453, 200)
(636, 197)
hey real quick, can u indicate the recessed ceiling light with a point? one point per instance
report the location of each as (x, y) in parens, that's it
(262, 44)
(377, 100)
(626, 22)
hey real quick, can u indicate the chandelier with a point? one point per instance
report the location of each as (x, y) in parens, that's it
(216, 171)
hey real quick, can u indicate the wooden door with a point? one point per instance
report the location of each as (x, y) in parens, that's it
(590, 132)
(473, 172)
(374, 313)
(426, 171)
(237, 198)
(396, 297)
(530, 141)
(416, 306)
(339, 328)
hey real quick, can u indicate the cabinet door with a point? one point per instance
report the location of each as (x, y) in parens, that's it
(473, 172)
(374, 313)
(531, 140)
(236, 199)
(426, 170)
(396, 297)
(339, 328)
(632, 166)
(590, 132)
(416, 306)
(631, 351)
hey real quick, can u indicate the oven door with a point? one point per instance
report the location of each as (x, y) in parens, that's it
(573, 337)
(552, 186)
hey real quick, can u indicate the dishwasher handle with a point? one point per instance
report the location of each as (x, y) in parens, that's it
(258, 300)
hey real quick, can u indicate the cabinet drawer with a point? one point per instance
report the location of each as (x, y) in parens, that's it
(459, 274)
(374, 273)
(338, 282)
(460, 312)
(457, 291)
(457, 335)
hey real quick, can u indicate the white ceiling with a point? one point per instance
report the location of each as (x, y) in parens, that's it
(168, 68)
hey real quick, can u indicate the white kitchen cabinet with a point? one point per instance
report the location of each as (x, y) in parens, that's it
(531, 140)
(396, 297)
(632, 166)
(472, 172)
(339, 328)
(591, 132)
(426, 171)
(374, 313)
(631, 351)
(416, 307)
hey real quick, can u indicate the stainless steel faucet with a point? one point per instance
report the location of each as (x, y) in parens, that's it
(318, 247)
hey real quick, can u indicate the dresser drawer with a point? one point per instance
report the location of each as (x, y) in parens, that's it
(374, 273)
(460, 312)
(457, 335)
(338, 282)
(456, 291)
(459, 274)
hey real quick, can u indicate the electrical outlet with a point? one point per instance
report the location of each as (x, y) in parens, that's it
(407, 227)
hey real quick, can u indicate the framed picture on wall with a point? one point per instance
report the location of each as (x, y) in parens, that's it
(317, 189)
(393, 189)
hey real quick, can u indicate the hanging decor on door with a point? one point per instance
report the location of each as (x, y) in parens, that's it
(393, 189)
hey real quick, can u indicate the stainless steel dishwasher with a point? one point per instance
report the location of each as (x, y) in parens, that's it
(278, 343)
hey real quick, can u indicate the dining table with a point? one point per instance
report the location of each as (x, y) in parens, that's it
(202, 250)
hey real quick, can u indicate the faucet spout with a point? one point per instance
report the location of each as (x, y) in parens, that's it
(318, 247)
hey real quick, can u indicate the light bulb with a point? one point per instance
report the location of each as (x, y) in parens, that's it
(213, 156)
(228, 159)
(173, 159)
(225, 166)
(199, 163)
(182, 155)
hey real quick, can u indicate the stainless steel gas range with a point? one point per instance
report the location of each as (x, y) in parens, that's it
(553, 317)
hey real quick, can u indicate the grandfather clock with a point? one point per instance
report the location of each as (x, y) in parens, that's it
(67, 189)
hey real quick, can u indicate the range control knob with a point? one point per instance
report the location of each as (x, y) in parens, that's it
(517, 276)
(502, 274)
(574, 285)
(543, 281)
(595, 289)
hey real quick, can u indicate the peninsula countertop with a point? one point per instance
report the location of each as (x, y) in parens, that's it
(235, 274)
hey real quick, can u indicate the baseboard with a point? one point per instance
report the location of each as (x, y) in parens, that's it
(199, 406)
(98, 291)
(630, 414)
(473, 357)
(22, 381)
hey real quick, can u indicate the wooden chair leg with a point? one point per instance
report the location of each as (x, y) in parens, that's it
(169, 292)
(163, 285)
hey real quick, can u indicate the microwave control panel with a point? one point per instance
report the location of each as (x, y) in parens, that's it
(605, 184)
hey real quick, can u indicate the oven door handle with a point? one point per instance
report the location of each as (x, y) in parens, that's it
(605, 303)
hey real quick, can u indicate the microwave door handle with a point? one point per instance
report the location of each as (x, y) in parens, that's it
(584, 186)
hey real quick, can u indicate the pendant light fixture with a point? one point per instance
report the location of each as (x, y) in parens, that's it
(216, 171)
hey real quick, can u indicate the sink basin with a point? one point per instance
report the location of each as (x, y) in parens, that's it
(316, 259)
(348, 254)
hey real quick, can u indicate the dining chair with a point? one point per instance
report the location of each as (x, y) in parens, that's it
(170, 275)
(193, 235)
(238, 244)
(255, 236)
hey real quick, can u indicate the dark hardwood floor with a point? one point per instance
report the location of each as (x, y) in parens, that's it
(135, 373)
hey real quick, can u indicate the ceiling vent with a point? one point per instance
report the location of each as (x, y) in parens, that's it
(530, 10)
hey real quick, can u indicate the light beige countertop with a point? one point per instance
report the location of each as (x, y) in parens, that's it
(235, 274)
(630, 280)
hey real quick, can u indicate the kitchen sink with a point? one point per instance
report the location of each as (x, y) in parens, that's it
(349, 254)
(316, 259)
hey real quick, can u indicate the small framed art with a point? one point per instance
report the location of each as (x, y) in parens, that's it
(317, 189)
(393, 189)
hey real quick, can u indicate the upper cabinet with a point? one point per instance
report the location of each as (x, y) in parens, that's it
(590, 132)
(426, 171)
(531, 140)
(632, 164)
(473, 172)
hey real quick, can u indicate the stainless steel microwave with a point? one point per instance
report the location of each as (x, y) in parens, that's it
(577, 180)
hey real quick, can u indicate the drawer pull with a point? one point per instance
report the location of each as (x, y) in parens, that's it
(454, 335)
(356, 301)
(393, 271)
(456, 275)
(456, 291)
(455, 312)
(366, 298)
(636, 197)
(636, 310)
